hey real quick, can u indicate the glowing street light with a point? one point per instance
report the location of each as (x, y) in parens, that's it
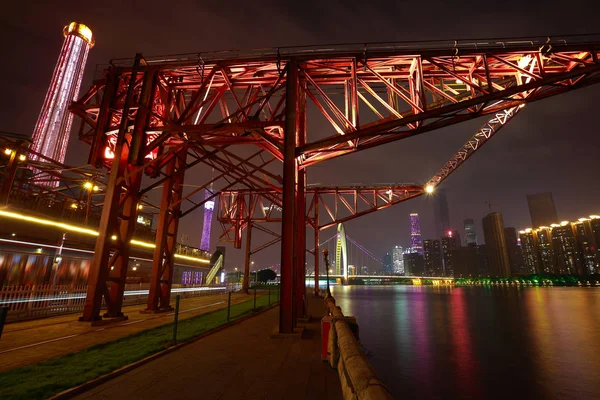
(22, 157)
(95, 188)
(429, 189)
(7, 151)
(88, 185)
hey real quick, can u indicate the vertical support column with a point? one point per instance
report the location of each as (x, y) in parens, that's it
(247, 260)
(288, 223)
(354, 95)
(119, 210)
(317, 251)
(300, 248)
(161, 279)
(172, 227)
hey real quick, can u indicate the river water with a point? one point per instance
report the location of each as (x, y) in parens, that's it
(431, 342)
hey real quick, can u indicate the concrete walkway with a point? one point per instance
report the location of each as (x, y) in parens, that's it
(239, 362)
(30, 342)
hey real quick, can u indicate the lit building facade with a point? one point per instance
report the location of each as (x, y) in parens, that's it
(51, 134)
(470, 235)
(415, 233)
(497, 252)
(398, 260)
(565, 248)
(432, 254)
(529, 247)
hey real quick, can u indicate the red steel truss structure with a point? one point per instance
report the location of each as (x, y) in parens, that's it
(243, 113)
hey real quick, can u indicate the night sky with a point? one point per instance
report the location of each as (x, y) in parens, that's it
(551, 146)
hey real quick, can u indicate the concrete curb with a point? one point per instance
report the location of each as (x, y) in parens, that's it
(74, 391)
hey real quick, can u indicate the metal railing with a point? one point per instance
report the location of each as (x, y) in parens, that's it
(38, 301)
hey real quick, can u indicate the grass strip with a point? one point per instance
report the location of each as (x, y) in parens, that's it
(49, 377)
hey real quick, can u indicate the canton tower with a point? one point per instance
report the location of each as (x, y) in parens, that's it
(51, 134)
(415, 233)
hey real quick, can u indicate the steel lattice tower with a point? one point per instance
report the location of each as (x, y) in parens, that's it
(51, 134)
(208, 212)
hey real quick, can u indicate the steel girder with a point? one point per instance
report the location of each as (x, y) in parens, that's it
(370, 97)
(340, 204)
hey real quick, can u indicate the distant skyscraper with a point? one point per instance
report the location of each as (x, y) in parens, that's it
(208, 212)
(414, 265)
(441, 213)
(470, 235)
(529, 247)
(51, 134)
(565, 249)
(449, 246)
(388, 264)
(398, 260)
(542, 209)
(515, 255)
(493, 231)
(415, 233)
(432, 254)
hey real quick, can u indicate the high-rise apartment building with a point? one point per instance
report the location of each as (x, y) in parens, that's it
(398, 260)
(515, 255)
(415, 233)
(529, 248)
(470, 235)
(546, 250)
(441, 213)
(432, 254)
(493, 231)
(565, 248)
(388, 264)
(449, 246)
(542, 209)
(51, 134)
(414, 264)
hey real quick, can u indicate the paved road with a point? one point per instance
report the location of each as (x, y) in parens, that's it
(240, 362)
(25, 343)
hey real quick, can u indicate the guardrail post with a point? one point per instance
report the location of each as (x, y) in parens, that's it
(176, 319)
(3, 314)
(228, 306)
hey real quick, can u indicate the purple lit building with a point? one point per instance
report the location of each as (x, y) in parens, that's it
(51, 134)
(415, 233)
(208, 212)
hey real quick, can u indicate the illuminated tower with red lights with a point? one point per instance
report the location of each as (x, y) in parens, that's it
(415, 233)
(51, 134)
